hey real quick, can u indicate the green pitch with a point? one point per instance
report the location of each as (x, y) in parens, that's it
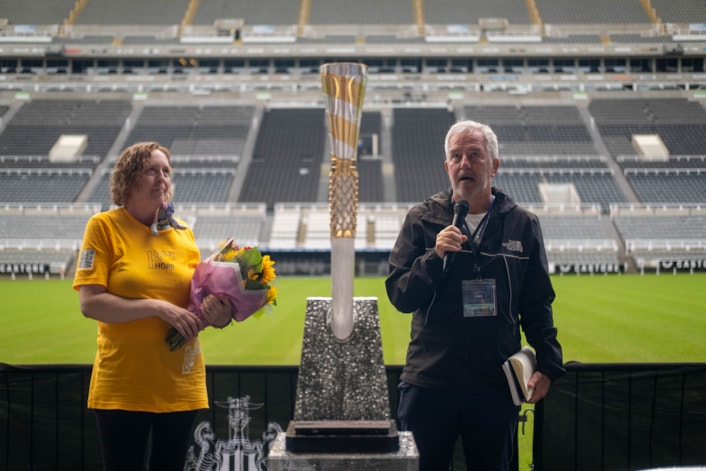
(628, 318)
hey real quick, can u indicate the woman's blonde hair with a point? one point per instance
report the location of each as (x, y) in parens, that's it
(128, 168)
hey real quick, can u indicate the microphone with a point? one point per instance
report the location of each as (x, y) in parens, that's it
(460, 211)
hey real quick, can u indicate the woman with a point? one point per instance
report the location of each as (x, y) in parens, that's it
(136, 285)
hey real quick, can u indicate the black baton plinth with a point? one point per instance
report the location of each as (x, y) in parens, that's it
(342, 436)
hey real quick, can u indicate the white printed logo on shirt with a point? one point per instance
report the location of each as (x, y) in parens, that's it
(190, 358)
(513, 246)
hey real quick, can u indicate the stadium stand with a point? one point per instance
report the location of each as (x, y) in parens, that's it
(536, 130)
(209, 146)
(132, 12)
(202, 186)
(680, 12)
(47, 185)
(370, 186)
(679, 186)
(246, 127)
(458, 11)
(677, 177)
(678, 122)
(42, 12)
(595, 12)
(212, 224)
(286, 163)
(363, 12)
(418, 153)
(663, 236)
(38, 124)
(189, 130)
(574, 39)
(206, 145)
(41, 239)
(579, 239)
(267, 12)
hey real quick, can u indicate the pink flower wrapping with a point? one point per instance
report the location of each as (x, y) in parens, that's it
(221, 275)
(223, 280)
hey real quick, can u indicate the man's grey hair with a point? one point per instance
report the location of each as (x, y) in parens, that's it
(462, 127)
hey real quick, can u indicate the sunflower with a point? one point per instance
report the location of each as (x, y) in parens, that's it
(271, 296)
(268, 270)
(257, 270)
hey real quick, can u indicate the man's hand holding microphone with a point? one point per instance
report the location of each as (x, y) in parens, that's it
(450, 239)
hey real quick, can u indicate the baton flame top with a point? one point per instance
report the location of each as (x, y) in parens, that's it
(344, 90)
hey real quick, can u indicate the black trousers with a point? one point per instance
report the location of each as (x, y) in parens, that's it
(485, 421)
(129, 440)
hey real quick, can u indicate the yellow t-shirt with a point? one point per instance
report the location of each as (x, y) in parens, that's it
(134, 368)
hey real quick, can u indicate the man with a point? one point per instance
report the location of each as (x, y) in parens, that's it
(467, 315)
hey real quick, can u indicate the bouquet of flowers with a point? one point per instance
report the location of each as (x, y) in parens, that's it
(242, 275)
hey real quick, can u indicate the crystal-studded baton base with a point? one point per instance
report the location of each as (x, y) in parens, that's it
(342, 380)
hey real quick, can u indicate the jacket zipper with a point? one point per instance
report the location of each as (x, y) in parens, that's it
(426, 316)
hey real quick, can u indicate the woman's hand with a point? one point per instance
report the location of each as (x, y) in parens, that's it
(186, 322)
(217, 312)
(96, 303)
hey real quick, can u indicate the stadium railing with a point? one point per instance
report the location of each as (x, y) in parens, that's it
(622, 417)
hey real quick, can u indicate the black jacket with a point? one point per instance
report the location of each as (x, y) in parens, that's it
(447, 350)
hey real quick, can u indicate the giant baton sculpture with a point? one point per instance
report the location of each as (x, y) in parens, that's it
(342, 404)
(343, 86)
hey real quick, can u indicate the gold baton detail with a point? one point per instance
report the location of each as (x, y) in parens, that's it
(344, 91)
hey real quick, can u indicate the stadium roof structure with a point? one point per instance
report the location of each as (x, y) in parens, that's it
(541, 44)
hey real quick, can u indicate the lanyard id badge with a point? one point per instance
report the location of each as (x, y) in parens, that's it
(479, 298)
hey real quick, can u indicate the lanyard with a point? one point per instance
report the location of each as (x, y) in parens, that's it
(476, 236)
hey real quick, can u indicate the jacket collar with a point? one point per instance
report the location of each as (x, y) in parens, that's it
(441, 204)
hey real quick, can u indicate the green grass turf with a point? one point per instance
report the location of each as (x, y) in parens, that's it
(601, 319)
(628, 318)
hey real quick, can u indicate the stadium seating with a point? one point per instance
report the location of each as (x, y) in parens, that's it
(680, 12)
(212, 224)
(669, 187)
(46, 185)
(240, 134)
(40, 239)
(418, 152)
(370, 185)
(679, 123)
(41, 12)
(195, 130)
(266, 12)
(458, 11)
(132, 12)
(286, 161)
(536, 130)
(37, 125)
(540, 144)
(595, 12)
(363, 12)
(662, 233)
